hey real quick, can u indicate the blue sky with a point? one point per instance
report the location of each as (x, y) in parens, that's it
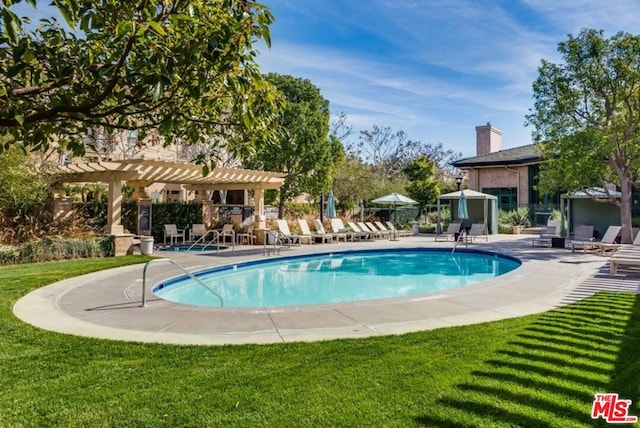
(433, 68)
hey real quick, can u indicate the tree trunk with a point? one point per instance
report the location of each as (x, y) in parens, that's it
(625, 212)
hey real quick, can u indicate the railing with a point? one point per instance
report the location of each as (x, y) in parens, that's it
(215, 240)
(461, 236)
(175, 263)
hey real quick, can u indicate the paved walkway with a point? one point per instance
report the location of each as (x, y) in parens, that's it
(107, 304)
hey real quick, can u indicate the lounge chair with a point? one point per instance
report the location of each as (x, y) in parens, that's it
(334, 236)
(608, 241)
(292, 238)
(626, 254)
(197, 230)
(476, 232)
(546, 235)
(375, 233)
(337, 226)
(452, 230)
(398, 232)
(304, 226)
(172, 232)
(384, 233)
(582, 238)
(363, 233)
(392, 232)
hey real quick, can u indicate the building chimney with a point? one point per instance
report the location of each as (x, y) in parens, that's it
(488, 139)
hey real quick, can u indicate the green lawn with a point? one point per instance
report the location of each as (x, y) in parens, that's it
(536, 371)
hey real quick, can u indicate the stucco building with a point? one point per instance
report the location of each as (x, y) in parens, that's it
(511, 174)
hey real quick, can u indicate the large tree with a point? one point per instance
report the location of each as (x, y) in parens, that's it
(185, 69)
(389, 152)
(422, 185)
(587, 116)
(303, 149)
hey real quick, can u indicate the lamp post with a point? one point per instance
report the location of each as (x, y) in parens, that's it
(459, 181)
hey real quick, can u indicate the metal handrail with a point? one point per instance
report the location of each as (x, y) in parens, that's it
(460, 235)
(144, 280)
(215, 239)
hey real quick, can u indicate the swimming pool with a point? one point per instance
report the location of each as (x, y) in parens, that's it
(336, 277)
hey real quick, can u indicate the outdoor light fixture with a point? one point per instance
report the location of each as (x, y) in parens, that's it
(459, 181)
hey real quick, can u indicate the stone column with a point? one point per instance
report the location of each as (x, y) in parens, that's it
(114, 212)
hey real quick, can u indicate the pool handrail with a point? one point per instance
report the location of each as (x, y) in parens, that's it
(179, 266)
(215, 239)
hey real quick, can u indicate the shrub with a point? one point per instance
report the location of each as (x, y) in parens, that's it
(56, 248)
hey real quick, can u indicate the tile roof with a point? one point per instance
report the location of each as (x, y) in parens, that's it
(515, 156)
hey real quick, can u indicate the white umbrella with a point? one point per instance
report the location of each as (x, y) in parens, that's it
(331, 205)
(463, 212)
(394, 199)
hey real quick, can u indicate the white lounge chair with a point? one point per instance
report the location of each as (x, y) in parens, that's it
(546, 235)
(608, 241)
(399, 232)
(363, 233)
(304, 226)
(452, 230)
(582, 238)
(476, 232)
(337, 236)
(337, 226)
(292, 238)
(375, 233)
(384, 233)
(172, 232)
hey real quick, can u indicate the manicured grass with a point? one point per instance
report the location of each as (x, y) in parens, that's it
(536, 371)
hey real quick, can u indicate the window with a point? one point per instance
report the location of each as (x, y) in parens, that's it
(507, 196)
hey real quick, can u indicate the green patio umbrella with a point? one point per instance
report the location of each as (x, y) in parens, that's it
(394, 199)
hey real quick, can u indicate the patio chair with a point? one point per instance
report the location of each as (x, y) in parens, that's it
(582, 238)
(363, 234)
(293, 238)
(374, 233)
(608, 241)
(452, 230)
(546, 235)
(337, 236)
(227, 230)
(476, 232)
(626, 254)
(172, 232)
(337, 226)
(197, 230)
(399, 232)
(246, 236)
(304, 226)
(384, 233)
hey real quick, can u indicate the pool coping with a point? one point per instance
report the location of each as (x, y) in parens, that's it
(106, 304)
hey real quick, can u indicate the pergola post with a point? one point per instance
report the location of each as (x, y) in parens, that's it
(114, 211)
(259, 220)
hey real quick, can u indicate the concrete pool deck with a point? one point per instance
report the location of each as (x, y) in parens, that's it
(106, 304)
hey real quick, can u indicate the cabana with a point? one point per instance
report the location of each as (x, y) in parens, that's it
(482, 208)
(590, 207)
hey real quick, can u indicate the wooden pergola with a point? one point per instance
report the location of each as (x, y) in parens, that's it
(140, 173)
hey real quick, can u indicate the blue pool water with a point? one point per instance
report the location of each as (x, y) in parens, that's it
(338, 277)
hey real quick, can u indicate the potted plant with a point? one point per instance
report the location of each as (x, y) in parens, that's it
(520, 219)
